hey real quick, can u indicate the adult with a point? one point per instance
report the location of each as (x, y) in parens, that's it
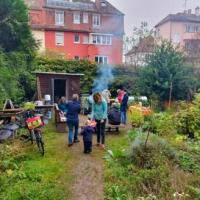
(120, 95)
(114, 115)
(73, 110)
(99, 114)
(62, 105)
(124, 108)
(106, 95)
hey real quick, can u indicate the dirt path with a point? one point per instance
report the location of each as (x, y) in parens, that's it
(88, 174)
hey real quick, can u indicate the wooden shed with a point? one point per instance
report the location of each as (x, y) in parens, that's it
(57, 85)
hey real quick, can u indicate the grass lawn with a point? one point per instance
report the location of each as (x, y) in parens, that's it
(25, 174)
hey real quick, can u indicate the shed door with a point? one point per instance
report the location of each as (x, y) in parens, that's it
(59, 89)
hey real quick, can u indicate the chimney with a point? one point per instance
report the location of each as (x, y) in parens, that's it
(197, 11)
(189, 11)
(98, 4)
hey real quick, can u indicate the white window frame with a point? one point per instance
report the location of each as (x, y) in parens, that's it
(96, 20)
(76, 42)
(85, 39)
(57, 39)
(192, 28)
(76, 18)
(59, 18)
(85, 18)
(101, 39)
(104, 59)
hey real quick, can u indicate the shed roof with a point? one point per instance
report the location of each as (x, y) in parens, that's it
(59, 73)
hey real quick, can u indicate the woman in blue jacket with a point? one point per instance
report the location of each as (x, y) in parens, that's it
(73, 110)
(99, 114)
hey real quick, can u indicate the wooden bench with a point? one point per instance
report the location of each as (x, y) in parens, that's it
(112, 128)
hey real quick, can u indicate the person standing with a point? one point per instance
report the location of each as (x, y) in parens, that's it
(123, 108)
(62, 105)
(120, 95)
(73, 110)
(106, 95)
(99, 114)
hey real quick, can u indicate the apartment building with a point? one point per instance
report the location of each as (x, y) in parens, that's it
(182, 28)
(78, 29)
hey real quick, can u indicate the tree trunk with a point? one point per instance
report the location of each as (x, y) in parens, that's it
(170, 94)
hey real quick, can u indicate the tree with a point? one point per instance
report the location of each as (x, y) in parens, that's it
(137, 35)
(166, 76)
(15, 33)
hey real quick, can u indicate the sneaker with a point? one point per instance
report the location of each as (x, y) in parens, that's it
(69, 145)
(76, 141)
(97, 144)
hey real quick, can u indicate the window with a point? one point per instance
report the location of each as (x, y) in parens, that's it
(96, 20)
(59, 39)
(192, 28)
(101, 39)
(157, 33)
(85, 18)
(76, 18)
(176, 38)
(76, 58)
(59, 18)
(85, 39)
(103, 4)
(101, 59)
(76, 38)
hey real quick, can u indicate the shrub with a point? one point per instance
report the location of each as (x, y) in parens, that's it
(162, 124)
(188, 118)
(136, 118)
(153, 154)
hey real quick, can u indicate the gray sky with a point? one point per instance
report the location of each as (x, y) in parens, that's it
(151, 11)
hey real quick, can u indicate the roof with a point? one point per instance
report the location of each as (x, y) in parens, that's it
(180, 17)
(146, 45)
(60, 74)
(84, 5)
(109, 8)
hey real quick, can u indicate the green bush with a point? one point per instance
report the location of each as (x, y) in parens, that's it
(162, 124)
(89, 69)
(188, 118)
(153, 154)
(136, 118)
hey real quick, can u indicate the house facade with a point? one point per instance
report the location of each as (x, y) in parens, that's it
(78, 29)
(181, 28)
(139, 54)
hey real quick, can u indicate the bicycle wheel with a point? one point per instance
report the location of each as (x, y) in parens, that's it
(39, 142)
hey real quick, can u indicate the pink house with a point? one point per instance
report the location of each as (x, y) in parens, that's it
(182, 28)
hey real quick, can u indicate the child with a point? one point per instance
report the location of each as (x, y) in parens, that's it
(87, 132)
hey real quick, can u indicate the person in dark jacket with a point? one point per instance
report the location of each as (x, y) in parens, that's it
(87, 133)
(114, 115)
(73, 110)
(62, 105)
(124, 108)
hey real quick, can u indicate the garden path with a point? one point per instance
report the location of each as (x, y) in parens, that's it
(88, 174)
(87, 171)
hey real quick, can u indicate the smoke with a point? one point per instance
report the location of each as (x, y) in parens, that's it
(104, 78)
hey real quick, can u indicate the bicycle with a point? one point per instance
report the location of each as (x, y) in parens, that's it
(34, 123)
